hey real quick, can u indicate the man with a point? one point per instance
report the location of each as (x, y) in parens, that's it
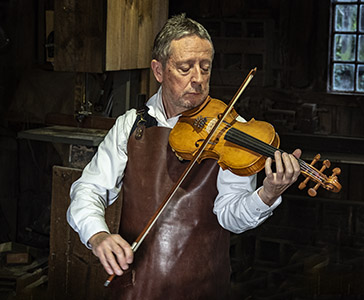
(186, 254)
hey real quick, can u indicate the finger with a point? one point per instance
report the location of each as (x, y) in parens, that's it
(295, 163)
(279, 164)
(104, 261)
(129, 254)
(268, 168)
(120, 257)
(296, 167)
(297, 153)
(111, 261)
(127, 251)
(289, 172)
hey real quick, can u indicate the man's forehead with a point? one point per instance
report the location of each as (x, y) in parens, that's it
(191, 39)
(189, 46)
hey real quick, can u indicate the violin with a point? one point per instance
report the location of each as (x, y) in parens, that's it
(241, 147)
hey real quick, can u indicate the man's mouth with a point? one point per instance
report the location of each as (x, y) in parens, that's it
(193, 93)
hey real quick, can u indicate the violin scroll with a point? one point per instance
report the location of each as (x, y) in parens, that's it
(330, 183)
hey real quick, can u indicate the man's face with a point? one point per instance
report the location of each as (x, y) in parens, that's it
(185, 78)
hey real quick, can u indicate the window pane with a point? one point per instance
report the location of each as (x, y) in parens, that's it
(361, 18)
(360, 78)
(343, 77)
(344, 47)
(361, 48)
(345, 16)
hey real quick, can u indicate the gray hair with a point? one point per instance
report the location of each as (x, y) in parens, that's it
(176, 28)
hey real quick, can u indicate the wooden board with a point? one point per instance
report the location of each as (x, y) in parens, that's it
(79, 33)
(131, 28)
(74, 272)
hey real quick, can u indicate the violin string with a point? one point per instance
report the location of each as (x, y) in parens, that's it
(268, 150)
(241, 138)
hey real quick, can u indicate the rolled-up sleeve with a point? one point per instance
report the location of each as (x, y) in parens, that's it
(238, 206)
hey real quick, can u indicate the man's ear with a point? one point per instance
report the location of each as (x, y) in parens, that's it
(157, 70)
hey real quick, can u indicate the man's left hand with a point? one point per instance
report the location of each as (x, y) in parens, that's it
(287, 172)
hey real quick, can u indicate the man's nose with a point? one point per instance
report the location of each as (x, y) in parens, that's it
(196, 75)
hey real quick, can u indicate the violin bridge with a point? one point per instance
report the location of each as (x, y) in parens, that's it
(211, 125)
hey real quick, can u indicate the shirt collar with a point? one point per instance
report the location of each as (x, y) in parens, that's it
(156, 110)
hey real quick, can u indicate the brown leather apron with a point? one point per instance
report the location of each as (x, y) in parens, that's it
(186, 254)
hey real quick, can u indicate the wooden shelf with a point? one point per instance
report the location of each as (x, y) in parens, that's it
(338, 149)
(65, 135)
(335, 157)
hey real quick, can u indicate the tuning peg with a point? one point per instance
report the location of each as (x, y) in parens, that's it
(336, 172)
(313, 191)
(303, 184)
(315, 159)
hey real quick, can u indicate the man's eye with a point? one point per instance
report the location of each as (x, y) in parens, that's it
(205, 68)
(185, 69)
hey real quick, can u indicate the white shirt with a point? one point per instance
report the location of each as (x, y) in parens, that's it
(237, 205)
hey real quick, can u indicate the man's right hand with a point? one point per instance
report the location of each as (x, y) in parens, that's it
(113, 251)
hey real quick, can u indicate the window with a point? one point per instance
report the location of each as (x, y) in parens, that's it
(347, 46)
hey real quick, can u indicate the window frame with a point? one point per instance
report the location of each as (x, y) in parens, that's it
(332, 61)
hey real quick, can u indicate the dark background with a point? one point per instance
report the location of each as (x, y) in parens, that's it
(311, 248)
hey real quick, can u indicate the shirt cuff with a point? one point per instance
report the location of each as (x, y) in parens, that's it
(259, 208)
(93, 227)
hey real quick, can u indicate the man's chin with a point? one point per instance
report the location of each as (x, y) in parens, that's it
(190, 105)
(193, 102)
